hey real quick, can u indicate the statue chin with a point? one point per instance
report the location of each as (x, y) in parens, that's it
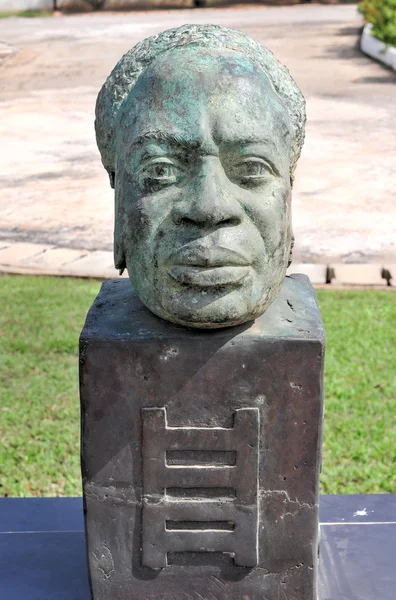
(208, 308)
(216, 316)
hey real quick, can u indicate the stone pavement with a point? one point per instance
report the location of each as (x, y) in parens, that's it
(25, 258)
(55, 193)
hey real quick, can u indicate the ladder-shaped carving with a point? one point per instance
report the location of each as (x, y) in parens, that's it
(200, 488)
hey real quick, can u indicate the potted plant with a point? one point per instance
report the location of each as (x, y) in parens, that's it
(379, 34)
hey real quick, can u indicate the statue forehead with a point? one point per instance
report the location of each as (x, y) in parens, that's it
(181, 83)
(199, 71)
(196, 59)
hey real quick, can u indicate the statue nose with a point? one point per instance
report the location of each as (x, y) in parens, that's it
(209, 202)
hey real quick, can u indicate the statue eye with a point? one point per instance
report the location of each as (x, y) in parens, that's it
(252, 170)
(161, 171)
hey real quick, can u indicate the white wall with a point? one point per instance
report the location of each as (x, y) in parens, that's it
(18, 5)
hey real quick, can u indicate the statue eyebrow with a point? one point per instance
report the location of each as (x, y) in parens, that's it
(247, 141)
(163, 136)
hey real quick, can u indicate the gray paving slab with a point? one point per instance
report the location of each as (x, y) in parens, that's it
(315, 272)
(53, 259)
(42, 548)
(363, 275)
(15, 253)
(39, 259)
(95, 264)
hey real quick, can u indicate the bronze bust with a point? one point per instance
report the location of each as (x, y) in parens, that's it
(200, 129)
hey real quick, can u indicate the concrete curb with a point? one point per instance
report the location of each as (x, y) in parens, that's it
(21, 258)
(377, 49)
(39, 259)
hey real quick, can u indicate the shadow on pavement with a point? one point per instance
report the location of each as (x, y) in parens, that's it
(344, 52)
(350, 30)
(387, 77)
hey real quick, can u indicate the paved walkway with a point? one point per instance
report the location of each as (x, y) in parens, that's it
(25, 258)
(55, 193)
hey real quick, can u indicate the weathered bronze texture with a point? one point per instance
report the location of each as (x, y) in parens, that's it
(200, 129)
(201, 451)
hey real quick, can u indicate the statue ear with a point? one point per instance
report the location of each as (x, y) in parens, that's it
(291, 251)
(119, 257)
(292, 235)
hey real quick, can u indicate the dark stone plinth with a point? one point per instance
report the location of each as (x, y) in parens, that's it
(201, 451)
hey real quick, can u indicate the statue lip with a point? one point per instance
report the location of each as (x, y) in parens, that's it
(209, 276)
(204, 267)
(207, 258)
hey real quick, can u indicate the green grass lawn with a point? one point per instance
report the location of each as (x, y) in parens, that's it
(40, 322)
(29, 14)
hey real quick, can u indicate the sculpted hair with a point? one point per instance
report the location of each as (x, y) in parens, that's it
(125, 74)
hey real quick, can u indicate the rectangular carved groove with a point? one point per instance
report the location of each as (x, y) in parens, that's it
(199, 559)
(198, 458)
(201, 494)
(192, 474)
(200, 525)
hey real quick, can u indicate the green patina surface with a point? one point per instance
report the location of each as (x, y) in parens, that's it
(200, 129)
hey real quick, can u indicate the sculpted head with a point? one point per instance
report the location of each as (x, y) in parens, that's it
(200, 129)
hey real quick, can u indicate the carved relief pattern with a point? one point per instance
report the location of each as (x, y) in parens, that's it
(200, 488)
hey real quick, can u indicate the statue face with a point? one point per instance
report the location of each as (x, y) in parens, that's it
(203, 188)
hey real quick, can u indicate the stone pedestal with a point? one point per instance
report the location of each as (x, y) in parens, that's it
(201, 451)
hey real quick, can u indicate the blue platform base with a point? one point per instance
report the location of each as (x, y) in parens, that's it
(42, 548)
